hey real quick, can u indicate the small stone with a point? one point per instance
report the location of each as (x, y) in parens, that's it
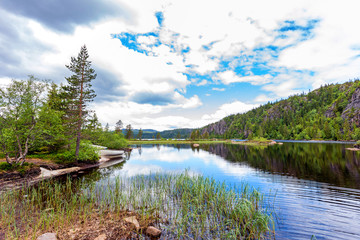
(153, 232)
(133, 220)
(47, 236)
(101, 237)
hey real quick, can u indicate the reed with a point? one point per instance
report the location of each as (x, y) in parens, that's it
(183, 206)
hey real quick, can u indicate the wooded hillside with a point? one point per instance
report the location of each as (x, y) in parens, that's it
(331, 112)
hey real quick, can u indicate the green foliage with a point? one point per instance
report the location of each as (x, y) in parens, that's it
(112, 140)
(78, 93)
(87, 153)
(20, 106)
(324, 113)
(22, 169)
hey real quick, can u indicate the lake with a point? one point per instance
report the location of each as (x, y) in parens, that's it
(313, 188)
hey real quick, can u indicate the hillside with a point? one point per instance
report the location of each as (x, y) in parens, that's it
(151, 133)
(331, 112)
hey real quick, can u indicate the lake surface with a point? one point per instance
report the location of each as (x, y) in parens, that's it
(316, 185)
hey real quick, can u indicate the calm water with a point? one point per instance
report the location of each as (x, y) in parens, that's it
(317, 185)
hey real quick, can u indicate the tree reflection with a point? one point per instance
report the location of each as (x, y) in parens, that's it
(314, 161)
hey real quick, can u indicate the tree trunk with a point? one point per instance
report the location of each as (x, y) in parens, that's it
(78, 137)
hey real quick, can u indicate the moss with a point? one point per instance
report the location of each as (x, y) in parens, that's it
(22, 169)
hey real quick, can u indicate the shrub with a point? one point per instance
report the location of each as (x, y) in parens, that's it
(87, 153)
(112, 140)
(4, 166)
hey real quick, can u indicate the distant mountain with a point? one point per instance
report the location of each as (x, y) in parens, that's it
(151, 133)
(331, 112)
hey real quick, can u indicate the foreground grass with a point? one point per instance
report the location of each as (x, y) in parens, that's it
(183, 206)
(175, 141)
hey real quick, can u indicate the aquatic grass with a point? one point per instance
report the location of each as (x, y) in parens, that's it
(183, 206)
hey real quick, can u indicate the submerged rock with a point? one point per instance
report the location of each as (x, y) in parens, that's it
(101, 237)
(133, 221)
(47, 236)
(153, 232)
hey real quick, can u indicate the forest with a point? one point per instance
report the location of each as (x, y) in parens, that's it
(331, 112)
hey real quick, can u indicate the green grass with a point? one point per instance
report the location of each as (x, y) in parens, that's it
(164, 141)
(184, 206)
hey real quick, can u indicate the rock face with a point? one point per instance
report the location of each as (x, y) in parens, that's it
(352, 110)
(217, 128)
(47, 236)
(153, 232)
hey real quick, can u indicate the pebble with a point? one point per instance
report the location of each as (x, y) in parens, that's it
(47, 236)
(101, 237)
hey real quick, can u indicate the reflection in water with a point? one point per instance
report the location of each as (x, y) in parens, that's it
(316, 184)
(329, 163)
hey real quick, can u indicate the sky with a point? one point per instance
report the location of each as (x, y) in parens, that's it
(179, 63)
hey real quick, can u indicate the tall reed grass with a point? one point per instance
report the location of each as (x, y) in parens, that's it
(183, 206)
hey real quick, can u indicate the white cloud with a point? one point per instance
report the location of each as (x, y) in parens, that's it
(218, 89)
(262, 98)
(4, 82)
(228, 109)
(228, 77)
(202, 83)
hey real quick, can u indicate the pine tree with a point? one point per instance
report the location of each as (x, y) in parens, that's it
(129, 132)
(79, 92)
(107, 127)
(158, 136)
(139, 136)
(118, 126)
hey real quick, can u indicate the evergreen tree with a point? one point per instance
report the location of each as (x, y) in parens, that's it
(107, 127)
(129, 132)
(118, 126)
(178, 136)
(140, 133)
(158, 136)
(79, 92)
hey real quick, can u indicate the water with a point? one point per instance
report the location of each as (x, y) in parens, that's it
(316, 185)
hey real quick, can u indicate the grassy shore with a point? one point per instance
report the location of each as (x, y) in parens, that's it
(164, 141)
(182, 206)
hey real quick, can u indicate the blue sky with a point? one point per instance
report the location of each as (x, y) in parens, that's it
(180, 63)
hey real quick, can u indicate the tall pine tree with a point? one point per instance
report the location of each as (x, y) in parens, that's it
(79, 92)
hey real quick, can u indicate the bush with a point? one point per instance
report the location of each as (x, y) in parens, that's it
(259, 139)
(4, 166)
(87, 153)
(112, 140)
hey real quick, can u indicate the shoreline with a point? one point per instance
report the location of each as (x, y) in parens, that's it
(49, 169)
(133, 142)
